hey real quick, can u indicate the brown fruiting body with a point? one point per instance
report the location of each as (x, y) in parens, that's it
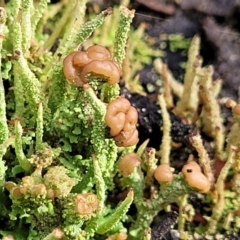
(79, 66)
(163, 173)
(122, 139)
(86, 203)
(236, 109)
(58, 233)
(230, 103)
(122, 118)
(70, 72)
(98, 52)
(121, 236)
(195, 178)
(80, 59)
(105, 69)
(116, 115)
(127, 164)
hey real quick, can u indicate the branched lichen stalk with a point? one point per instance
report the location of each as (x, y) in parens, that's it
(123, 28)
(170, 192)
(104, 149)
(18, 144)
(149, 208)
(3, 118)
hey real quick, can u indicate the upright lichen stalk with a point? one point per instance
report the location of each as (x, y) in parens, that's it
(37, 14)
(4, 132)
(26, 24)
(125, 20)
(165, 147)
(25, 79)
(219, 201)
(3, 120)
(189, 101)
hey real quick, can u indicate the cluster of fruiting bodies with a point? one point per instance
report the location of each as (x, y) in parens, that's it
(80, 66)
(122, 118)
(163, 173)
(96, 62)
(54, 184)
